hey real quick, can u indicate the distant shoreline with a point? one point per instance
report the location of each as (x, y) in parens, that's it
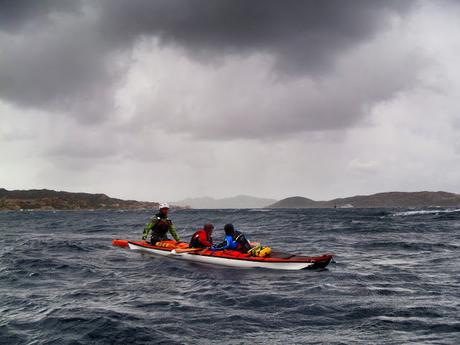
(50, 200)
(379, 200)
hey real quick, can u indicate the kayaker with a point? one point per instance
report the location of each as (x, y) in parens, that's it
(233, 240)
(159, 225)
(202, 238)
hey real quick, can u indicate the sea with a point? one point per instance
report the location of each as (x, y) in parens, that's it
(395, 279)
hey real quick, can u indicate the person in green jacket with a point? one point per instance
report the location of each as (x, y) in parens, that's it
(159, 225)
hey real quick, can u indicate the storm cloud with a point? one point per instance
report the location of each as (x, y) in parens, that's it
(70, 56)
(304, 36)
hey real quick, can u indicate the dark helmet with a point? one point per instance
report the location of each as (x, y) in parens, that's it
(208, 227)
(229, 229)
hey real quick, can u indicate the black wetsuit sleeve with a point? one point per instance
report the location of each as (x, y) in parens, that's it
(243, 242)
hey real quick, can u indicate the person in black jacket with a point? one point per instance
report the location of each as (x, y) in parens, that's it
(233, 240)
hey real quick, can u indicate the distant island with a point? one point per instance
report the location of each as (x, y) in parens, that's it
(44, 199)
(390, 199)
(239, 201)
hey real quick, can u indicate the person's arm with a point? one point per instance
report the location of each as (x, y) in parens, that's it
(244, 242)
(219, 246)
(226, 244)
(203, 239)
(148, 227)
(172, 231)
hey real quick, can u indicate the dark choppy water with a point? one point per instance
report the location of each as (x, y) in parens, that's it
(395, 280)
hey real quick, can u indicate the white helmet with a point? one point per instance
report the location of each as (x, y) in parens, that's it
(163, 205)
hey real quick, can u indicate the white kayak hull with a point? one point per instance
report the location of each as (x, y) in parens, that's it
(224, 261)
(161, 252)
(241, 263)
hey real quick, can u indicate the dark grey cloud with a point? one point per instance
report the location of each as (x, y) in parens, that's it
(305, 36)
(69, 56)
(53, 58)
(15, 14)
(57, 73)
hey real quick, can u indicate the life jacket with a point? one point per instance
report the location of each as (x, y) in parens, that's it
(161, 225)
(200, 239)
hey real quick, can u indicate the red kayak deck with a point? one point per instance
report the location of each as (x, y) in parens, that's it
(167, 245)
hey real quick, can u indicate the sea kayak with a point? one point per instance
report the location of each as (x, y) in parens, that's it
(232, 258)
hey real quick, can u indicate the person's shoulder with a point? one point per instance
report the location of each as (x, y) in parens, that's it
(155, 218)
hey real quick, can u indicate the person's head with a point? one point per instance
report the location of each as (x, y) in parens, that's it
(164, 208)
(208, 227)
(229, 229)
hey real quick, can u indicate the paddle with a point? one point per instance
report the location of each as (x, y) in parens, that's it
(185, 250)
(120, 243)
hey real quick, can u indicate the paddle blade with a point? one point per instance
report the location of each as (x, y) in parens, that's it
(120, 243)
(187, 250)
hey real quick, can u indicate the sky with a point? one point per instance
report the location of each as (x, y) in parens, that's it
(169, 99)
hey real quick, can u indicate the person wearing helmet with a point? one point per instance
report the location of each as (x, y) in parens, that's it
(234, 240)
(159, 225)
(202, 238)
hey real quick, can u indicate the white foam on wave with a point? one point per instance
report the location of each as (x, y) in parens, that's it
(419, 212)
